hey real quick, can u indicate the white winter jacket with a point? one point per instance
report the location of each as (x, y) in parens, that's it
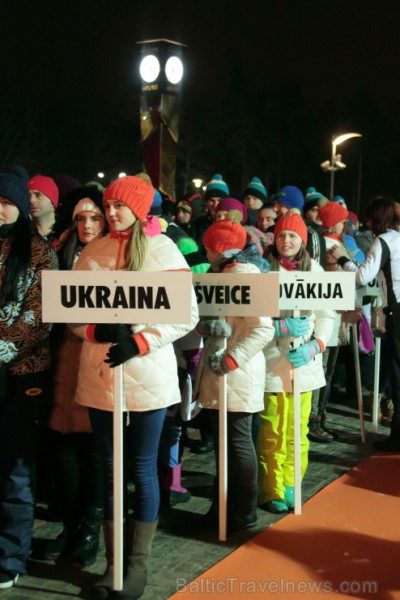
(279, 371)
(150, 380)
(245, 385)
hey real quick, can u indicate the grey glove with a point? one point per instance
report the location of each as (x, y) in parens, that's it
(214, 328)
(218, 363)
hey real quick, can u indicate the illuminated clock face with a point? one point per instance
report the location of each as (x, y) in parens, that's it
(174, 69)
(149, 68)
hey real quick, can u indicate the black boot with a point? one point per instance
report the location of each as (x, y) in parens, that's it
(244, 512)
(63, 543)
(87, 541)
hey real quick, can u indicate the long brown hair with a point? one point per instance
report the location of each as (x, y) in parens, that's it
(136, 248)
(302, 256)
(382, 214)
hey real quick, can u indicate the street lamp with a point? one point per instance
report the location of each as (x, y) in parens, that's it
(197, 182)
(161, 71)
(336, 164)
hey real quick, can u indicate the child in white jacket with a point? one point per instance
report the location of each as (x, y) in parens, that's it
(244, 364)
(276, 435)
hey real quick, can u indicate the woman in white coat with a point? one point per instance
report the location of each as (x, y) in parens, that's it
(150, 380)
(244, 364)
(314, 328)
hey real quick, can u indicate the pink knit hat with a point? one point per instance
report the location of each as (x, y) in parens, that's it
(223, 236)
(47, 186)
(233, 204)
(136, 193)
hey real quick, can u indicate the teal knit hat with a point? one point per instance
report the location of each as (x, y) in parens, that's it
(216, 188)
(311, 198)
(256, 188)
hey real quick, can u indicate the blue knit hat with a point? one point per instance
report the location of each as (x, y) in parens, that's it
(13, 187)
(339, 200)
(290, 196)
(216, 188)
(155, 208)
(256, 188)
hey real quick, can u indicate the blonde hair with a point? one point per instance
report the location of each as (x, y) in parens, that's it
(136, 248)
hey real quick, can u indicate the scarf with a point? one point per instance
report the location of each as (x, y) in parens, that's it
(289, 265)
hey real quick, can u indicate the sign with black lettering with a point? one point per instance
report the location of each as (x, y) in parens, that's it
(371, 289)
(305, 290)
(116, 297)
(237, 294)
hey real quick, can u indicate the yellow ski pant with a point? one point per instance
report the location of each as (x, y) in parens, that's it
(276, 443)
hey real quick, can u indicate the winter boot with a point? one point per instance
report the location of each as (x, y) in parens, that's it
(316, 433)
(62, 544)
(244, 512)
(276, 506)
(171, 490)
(137, 557)
(102, 589)
(87, 543)
(325, 427)
(289, 496)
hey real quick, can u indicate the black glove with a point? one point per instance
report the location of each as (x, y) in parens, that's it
(110, 333)
(125, 349)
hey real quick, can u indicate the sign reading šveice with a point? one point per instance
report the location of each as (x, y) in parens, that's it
(116, 297)
(324, 290)
(237, 294)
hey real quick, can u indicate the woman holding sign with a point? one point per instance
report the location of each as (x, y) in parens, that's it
(149, 370)
(24, 370)
(313, 330)
(383, 261)
(243, 363)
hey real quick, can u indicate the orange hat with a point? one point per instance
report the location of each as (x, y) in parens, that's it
(223, 236)
(136, 193)
(332, 213)
(292, 221)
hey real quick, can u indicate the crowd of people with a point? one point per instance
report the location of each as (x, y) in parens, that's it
(56, 382)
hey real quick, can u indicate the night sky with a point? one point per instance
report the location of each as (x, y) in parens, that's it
(69, 86)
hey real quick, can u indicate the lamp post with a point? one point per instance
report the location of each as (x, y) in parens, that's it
(161, 72)
(336, 164)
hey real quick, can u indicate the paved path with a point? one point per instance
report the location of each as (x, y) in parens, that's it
(183, 549)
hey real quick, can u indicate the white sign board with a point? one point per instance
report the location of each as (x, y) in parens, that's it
(116, 297)
(237, 294)
(305, 290)
(371, 289)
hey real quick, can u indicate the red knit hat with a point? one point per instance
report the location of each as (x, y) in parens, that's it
(223, 236)
(331, 214)
(292, 221)
(136, 193)
(47, 186)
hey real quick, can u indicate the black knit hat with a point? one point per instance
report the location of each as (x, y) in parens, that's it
(13, 187)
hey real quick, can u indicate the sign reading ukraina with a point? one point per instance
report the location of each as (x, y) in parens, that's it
(116, 297)
(305, 290)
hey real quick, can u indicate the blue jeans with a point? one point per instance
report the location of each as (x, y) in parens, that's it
(141, 441)
(23, 418)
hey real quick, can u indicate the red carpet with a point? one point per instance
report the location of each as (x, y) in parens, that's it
(346, 544)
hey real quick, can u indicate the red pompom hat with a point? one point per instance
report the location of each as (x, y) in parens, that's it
(223, 236)
(331, 214)
(292, 221)
(136, 193)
